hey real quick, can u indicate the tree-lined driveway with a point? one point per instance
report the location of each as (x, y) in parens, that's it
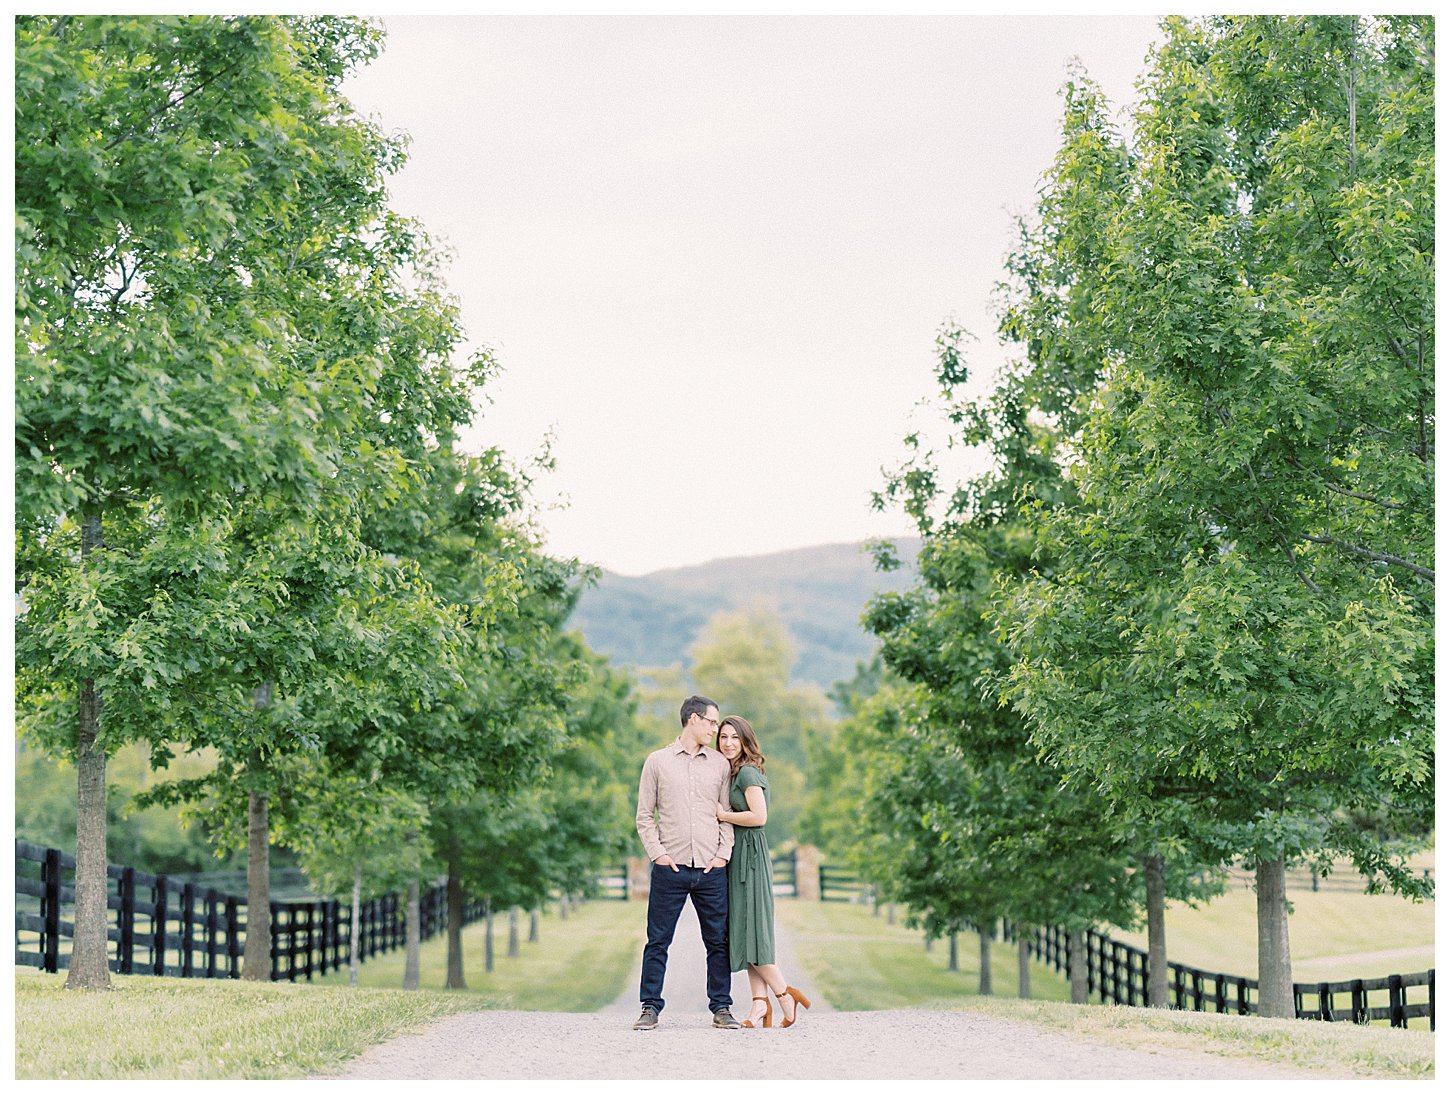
(824, 1045)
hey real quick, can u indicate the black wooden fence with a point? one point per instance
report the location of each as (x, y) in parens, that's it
(842, 884)
(613, 884)
(1118, 973)
(782, 875)
(166, 928)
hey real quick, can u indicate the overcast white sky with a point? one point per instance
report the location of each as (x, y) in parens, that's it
(712, 254)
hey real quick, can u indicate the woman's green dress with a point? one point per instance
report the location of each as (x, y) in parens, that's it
(752, 909)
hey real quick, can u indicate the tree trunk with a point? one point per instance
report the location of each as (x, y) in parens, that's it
(257, 952)
(534, 925)
(1157, 940)
(952, 954)
(984, 959)
(563, 906)
(356, 918)
(257, 955)
(89, 964)
(455, 928)
(488, 937)
(891, 912)
(1024, 967)
(1077, 966)
(411, 918)
(513, 932)
(1276, 980)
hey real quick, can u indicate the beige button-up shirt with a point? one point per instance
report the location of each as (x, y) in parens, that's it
(683, 790)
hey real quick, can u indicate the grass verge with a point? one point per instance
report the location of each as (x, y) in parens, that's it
(1337, 1049)
(579, 964)
(862, 963)
(167, 1028)
(859, 962)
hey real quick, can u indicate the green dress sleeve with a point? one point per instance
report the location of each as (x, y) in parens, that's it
(751, 776)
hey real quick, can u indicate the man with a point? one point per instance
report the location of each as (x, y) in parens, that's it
(682, 784)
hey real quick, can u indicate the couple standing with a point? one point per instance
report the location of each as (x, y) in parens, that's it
(700, 815)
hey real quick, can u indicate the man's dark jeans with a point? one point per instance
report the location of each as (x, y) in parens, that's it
(667, 893)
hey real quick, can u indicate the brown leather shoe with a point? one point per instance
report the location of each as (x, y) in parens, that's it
(725, 1021)
(648, 1019)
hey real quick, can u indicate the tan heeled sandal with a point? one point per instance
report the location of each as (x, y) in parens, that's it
(801, 1002)
(764, 1022)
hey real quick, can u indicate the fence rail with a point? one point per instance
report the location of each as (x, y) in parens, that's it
(782, 875)
(842, 884)
(614, 883)
(167, 928)
(1118, 973)
(1305, 878)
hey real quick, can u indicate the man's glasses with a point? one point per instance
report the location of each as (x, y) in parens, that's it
(713, 722)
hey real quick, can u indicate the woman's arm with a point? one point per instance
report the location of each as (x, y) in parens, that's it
(752, 818)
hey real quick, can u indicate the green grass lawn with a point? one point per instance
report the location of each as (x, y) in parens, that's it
(168, 1028)
(859, 962)
(1336, 1049)
(862, 963)
(603, 944)
(1333, 935)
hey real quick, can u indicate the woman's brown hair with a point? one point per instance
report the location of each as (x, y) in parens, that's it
(749, 748)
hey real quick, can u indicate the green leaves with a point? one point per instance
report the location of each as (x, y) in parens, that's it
(1256, 653)
(1195, 588)
(239, 362)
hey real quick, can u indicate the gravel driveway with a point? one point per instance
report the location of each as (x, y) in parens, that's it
(825, 1044)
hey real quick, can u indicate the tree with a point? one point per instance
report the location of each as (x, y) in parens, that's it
(1247, 571)
(983, 828)
(742, 659)
(169, 177)
(354, 838)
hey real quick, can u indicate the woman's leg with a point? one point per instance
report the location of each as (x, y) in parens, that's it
(772, 976)
(769, 975)
(757, 989)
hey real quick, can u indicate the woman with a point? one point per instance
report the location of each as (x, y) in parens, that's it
(752, 908)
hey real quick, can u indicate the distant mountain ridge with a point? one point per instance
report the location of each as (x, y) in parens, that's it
(820, 593)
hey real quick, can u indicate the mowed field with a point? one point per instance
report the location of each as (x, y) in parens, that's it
(1334, 934)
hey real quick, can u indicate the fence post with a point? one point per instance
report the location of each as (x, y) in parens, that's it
(50, 911)
(234, 938)
(188, 895)
(158, 927)
(211, 926)
(1397, 1001)
(274, 959)
(329, 935)
(312, 936)
(126, 920)
(1358, 1002)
